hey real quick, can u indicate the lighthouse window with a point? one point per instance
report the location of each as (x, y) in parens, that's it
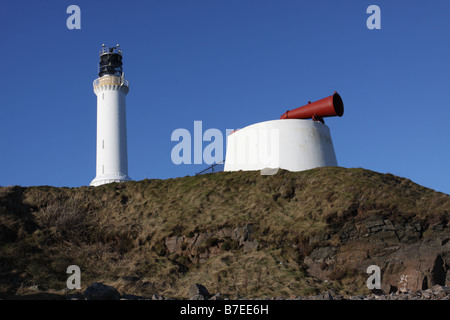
(103, 96)
(103, 144)
(103, 169)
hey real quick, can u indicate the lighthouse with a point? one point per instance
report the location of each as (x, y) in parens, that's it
(111, 89)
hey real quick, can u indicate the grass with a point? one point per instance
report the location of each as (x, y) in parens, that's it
(118, 230)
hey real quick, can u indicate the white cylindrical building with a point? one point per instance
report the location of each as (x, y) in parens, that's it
(111, 89)
(290, 144)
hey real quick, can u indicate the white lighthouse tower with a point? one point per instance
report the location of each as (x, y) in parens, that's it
(111, 89)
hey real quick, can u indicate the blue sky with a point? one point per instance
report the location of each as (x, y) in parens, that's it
(229, 64)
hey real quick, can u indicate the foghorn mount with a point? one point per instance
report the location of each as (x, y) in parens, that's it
(331, 106)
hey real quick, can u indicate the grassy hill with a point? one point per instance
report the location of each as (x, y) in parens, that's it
(293, 233)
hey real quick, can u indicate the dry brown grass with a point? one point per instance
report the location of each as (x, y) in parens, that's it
(118, 230)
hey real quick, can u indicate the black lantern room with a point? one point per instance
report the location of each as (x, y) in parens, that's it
(110, 61)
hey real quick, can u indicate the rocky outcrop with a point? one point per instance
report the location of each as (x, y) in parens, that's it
(203, 245)
(410, 256)
(100, 291)
(200, 292)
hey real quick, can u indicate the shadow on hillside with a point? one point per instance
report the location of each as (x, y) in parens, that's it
(36, 296)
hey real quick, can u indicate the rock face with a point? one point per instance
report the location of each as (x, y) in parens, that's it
(201, 246)
(198, 292)
(409, 258)
(100, 291)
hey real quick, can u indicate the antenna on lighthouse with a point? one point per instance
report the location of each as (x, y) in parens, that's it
(111, 89)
